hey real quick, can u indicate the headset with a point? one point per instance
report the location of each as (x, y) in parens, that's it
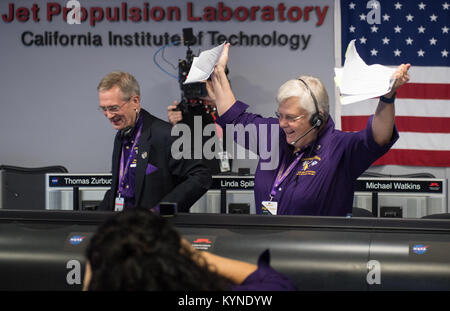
(316, 120)
(126, 132)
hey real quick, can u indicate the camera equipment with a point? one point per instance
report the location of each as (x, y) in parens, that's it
(190, 93)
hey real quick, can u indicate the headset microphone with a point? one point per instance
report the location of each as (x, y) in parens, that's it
(318, 124)
(316, 119)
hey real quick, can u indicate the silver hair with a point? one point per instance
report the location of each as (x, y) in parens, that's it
(127, 84)
(295, 88)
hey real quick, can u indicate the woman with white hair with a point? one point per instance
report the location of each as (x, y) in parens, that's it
(317, 164)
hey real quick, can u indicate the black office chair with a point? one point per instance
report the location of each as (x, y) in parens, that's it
(437, 216)
(23, 188)
(361, 212)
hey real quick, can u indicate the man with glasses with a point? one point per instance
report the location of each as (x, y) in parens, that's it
(143, 169)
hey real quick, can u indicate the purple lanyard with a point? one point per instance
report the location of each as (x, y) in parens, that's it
(281, 176)
(123, 171)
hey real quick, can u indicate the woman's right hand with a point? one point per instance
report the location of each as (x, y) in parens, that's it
(221, 86)
(223, 59)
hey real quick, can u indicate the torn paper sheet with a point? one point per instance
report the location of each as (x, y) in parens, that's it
(203, 65)
(357, 81)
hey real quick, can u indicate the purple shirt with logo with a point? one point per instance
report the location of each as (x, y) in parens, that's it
(322, 181)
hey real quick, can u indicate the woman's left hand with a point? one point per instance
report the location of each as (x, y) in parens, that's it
(401, 76)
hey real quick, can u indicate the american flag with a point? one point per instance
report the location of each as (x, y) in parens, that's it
(391, 33)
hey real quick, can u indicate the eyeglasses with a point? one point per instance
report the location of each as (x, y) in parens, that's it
(112, 109)
(290, 119)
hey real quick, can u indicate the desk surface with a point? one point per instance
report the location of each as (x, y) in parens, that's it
(318, 253)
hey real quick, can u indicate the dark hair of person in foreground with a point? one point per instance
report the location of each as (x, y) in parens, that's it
(138, 250)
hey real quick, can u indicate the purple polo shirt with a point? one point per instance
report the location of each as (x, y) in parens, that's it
(265, 278)
(128, 184)
(322, 181)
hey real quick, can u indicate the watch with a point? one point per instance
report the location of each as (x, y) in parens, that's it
(388, 100)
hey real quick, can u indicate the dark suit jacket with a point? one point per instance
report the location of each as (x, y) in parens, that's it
(181, 181)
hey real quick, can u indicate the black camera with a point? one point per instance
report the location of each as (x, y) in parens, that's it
(191, 93)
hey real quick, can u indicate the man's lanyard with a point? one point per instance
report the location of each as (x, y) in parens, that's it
(124, 170)
(281, 176)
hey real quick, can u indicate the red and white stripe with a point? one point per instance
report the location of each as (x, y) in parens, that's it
(422, 111)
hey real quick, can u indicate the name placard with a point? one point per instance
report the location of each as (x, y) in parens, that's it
(58, 181)
(399, 185)
(233, 182)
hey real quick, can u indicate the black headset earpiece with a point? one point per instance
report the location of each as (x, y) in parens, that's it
(126, 132)
(316, 119)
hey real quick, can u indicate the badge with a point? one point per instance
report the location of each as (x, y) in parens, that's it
(269, 207)
(118, 206)
(224, 163)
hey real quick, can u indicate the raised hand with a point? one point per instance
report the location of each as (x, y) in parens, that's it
(401, 75)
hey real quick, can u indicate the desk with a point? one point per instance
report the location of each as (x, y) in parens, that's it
(395, 197)
(317, 253)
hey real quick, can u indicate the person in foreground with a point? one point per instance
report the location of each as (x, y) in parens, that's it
(144, 173)
(317, 164)
(138, 250)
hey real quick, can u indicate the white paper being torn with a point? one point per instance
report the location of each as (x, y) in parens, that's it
(358, 81)
(203, 65)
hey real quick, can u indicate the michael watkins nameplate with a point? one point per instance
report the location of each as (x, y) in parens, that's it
(400, 185)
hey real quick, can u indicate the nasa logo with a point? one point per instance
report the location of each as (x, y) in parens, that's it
(420, 249)
(54, 180)
(76, 239)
